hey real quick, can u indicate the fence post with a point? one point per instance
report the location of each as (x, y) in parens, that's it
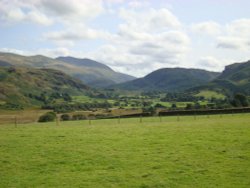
(178, 117)
(57, 120)
(119, 119)
(15, 120)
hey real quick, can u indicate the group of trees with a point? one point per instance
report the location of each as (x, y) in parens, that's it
(69, 107)
(67, 117)
(181, 97)
(48, 98)
(239, 100)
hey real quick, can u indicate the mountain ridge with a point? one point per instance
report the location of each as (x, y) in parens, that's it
(95, 76)
(25, 86)
(170, 79)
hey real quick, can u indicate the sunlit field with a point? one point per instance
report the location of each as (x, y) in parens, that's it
(202, 151)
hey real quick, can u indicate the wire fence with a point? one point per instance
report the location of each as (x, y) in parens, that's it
(25, 118)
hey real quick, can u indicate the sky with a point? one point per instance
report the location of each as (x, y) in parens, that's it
(131, 36)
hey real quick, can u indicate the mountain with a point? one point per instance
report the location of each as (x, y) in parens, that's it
(90, 72)
(239, 73)
(25, 86)
(82, 62)
(235, 78)
(169, 79)
(94, 73)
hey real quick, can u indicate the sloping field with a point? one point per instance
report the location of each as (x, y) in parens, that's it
(204, 151)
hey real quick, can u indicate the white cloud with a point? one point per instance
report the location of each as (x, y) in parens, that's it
(141, 44)
(240, 28)
(74, 10)
(150, 20)
(142, 39)
(77, 34)
(54, 52)
(138, 4)
(21, 11)
(39, 18)
(46, 12)
(209, 28)
(231, 43)
(15, 51)
(236, 35)
(211, 63)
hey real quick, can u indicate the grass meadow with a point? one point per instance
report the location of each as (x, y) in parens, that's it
(202, 151)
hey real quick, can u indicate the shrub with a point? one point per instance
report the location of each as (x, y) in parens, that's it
(158, 105)
(78, 117)
(49, 116)
(65, 117)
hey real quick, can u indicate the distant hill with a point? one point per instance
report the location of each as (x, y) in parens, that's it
(94, 73)
(25, 86)
(239, 73)
(170, 79)
(235, 78)
(83, 62)
(90, 72)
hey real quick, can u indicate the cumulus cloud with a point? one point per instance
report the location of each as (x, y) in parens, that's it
(239, 27)
(230, 42)
(55, 52)
(76, 34)
(46, 12)
(150, 20)
(236, 35)
(211, 63)
(50, 52)
(144, 44)
(141, 39)
(74, 10)
(138, 4)
(21, 11)
(209, 28)
(15, 51)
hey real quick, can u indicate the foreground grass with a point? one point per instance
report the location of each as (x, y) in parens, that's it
(206, 152)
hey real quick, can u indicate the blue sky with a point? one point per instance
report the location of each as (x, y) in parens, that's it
(131, 36)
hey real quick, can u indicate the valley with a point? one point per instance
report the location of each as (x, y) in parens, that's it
(33, 83)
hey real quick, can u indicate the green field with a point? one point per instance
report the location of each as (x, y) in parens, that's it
(210, 94)
(192, 152)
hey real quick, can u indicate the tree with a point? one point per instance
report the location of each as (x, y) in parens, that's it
(240, 100)
(174, 106)
(49, 116)
(158, 105)
(189, 106)
(65, 117)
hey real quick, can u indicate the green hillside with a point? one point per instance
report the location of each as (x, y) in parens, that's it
(94, 73)
(170, 79)
(29, 86)
(90, 72)
(235, 78)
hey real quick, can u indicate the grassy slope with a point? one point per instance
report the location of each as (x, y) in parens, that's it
(22, 81)
(206, 152)
(210, 94)
(235, 78)
(93, 76)
(169, 79)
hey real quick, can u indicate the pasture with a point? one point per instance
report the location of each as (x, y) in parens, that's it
(187, 151)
